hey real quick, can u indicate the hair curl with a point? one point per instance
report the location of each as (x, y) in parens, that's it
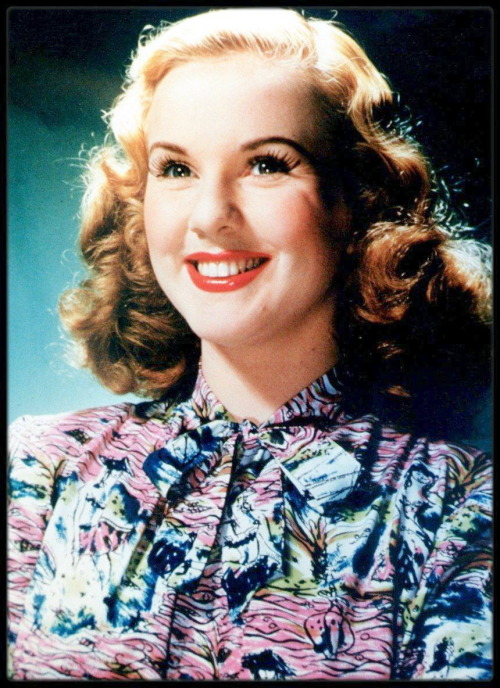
(413, 295)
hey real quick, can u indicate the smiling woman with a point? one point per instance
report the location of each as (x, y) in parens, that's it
(265, 258)
(216, 196)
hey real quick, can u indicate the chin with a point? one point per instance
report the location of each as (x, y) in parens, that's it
(222, 337)
(226, 329)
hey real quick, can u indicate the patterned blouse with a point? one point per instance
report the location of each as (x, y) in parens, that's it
(164, 540)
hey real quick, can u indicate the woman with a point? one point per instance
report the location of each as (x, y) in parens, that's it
(261, 254)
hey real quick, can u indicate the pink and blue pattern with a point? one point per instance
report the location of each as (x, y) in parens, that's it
(167, 541)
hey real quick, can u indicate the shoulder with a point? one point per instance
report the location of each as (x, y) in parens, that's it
(79, 426)
(57, 438)
(396, 457)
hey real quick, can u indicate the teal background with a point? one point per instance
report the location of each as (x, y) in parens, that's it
(66, 67)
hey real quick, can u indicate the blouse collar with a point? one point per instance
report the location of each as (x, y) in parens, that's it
(319, 399)
(308, 469)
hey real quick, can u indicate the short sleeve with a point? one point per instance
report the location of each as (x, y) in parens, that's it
(447, 627)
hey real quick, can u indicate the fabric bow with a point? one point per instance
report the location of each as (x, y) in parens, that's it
(296, 472)
(192, 472)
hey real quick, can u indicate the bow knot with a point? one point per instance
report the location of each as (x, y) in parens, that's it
(282, 477)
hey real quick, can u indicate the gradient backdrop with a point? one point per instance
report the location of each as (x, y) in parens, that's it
(66, 67)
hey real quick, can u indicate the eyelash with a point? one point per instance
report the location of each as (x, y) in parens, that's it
(284, 162)
(160, 166)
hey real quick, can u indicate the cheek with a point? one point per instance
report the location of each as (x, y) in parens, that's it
(291, 220)
(311, 230)
(161, 225)
(311, 238)
(151, 219)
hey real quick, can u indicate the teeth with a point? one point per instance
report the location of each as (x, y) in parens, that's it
(227, 268)
(223, 270)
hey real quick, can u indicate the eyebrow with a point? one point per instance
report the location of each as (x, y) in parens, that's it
(168, 146)
(250, 145)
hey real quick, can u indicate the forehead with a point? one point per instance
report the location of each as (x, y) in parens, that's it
(241, 93)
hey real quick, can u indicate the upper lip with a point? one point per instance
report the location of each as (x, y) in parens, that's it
(224, 256)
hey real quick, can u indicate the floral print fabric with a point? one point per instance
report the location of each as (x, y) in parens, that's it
(166, 541)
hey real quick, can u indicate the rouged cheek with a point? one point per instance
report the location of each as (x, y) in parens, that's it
(163, 236)
(292, 214)
(300, 233)
(165, 223)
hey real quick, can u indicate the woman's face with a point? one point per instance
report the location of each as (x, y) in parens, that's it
(235, 222)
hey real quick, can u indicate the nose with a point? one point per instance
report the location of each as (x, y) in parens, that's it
(215, 208)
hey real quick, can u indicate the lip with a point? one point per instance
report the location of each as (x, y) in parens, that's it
(229, 283)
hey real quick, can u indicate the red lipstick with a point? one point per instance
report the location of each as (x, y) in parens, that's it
(249, 265)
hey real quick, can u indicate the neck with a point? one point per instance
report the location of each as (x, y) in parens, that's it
(252, 382)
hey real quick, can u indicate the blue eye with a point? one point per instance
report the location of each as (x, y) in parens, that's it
(172, 169)
(175, 170)
(265, 165)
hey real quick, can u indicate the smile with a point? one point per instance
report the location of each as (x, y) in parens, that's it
(225, 271)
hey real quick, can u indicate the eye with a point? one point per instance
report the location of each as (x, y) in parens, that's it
(175, 170)
(172, 169)
(264, 165)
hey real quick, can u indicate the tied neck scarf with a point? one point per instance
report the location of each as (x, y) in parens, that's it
(290, 464)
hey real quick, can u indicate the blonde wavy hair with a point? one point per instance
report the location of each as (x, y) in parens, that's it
(404, 273)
